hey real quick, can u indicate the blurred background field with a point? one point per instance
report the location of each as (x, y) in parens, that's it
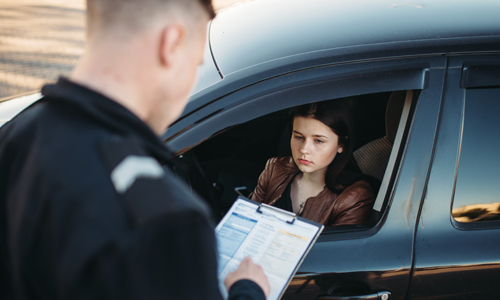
(42, 39)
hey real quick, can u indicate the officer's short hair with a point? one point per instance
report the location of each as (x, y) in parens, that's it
(134, 15)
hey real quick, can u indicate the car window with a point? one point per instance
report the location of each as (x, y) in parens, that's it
(227, 142)
(477, 191)
(233, 160)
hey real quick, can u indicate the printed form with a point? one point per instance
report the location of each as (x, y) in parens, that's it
(275, 239)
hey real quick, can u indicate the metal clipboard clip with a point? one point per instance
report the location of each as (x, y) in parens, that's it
(278, 211)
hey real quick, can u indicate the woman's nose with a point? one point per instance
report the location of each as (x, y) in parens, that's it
(305, 148)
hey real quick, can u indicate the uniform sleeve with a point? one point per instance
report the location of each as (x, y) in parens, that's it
(355, 205)
(172, 257)
(259, 194)
(162, 247)
(246, 290)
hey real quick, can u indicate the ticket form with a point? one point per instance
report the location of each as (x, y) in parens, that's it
(275, 239)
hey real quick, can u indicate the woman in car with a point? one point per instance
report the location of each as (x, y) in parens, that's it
(319, 181)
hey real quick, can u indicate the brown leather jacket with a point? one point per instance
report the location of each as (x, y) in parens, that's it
(352, 206)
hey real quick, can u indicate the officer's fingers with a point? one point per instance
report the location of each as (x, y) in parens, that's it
(260, 278)
(248, 270)
(247, 261)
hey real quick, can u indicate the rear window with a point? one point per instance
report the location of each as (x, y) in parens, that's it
(477, 192)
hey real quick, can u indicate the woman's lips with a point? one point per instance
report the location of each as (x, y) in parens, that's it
(305, 161)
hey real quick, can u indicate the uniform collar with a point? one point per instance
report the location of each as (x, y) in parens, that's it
(106, 111)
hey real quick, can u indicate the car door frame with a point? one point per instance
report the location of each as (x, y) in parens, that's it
(453, 258)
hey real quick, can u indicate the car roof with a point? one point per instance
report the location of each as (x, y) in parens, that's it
(256, 32)
(10, 107)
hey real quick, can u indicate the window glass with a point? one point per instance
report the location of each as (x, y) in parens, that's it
(477, 193)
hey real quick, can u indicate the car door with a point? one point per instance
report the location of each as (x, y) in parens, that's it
(376, 263)
(366, 261)
(457, 246)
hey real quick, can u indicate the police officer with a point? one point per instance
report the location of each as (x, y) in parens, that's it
(87, 211)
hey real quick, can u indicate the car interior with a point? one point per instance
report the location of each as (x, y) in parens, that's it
(229, 164)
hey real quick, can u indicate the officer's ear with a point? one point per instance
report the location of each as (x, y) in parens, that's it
(172, 41)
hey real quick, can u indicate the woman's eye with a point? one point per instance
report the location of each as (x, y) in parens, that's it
(319, 141)
(298, 137)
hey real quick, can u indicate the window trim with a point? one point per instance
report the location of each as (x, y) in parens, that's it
(379, 201)
(480, 75)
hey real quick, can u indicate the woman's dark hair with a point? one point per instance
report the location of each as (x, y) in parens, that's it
(335, 114)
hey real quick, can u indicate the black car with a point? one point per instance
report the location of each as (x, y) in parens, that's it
(423, 82)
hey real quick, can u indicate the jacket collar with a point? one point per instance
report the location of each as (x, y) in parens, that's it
(287, 169)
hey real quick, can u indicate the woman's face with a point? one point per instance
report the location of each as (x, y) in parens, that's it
(314, 145)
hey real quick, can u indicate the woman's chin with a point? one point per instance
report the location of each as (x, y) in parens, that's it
(305, 168)
(311, 169)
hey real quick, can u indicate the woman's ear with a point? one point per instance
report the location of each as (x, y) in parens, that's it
(341, 146)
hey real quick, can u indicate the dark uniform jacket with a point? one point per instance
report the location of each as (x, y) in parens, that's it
(88, 212)
(352, 206)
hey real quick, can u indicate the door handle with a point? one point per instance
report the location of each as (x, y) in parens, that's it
(376, 296)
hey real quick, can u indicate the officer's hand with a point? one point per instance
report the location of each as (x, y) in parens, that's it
(248, 270)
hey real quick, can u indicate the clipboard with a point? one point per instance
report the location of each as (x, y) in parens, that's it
(276, 239)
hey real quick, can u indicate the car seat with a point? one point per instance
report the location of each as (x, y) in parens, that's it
(373, 157)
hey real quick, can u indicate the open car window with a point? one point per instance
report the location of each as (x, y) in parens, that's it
(233, 160)
(226, 148)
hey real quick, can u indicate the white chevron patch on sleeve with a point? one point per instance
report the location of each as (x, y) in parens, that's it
(133, 167)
